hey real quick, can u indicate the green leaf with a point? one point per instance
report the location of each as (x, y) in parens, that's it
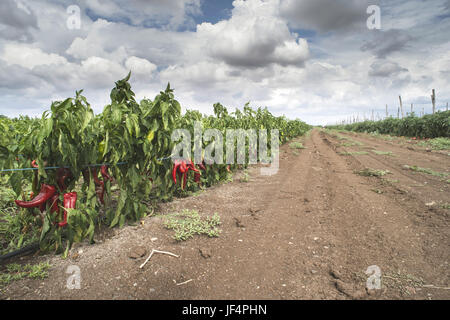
(15, 180)
(45, 228)
(129, 125)
(120, 206)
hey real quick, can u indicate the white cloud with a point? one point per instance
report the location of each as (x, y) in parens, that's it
(255, 36)
(140, 66)
(29, 57)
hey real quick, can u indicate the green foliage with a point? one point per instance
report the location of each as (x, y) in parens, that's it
(296, 145)
(16, 272)
(189, 223)
(426, 170)
(437, 143)
(17, 227)
(428, 126)
(368, 172)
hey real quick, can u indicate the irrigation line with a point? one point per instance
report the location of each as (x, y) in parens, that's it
(32, 248)
(89, 165)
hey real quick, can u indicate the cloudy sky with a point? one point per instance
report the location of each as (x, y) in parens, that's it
(310, 59)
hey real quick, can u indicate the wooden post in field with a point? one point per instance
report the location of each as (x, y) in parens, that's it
(423, 111)
(387, 114)
(433, 100)
(412, 109)
(398, 113)
(401, 105)
(447, 107)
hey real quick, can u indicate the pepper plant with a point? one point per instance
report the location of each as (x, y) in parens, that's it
(130, 139)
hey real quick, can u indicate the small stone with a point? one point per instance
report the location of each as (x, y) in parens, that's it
(254, 209)
(205, 253)
(239, 223)
(137, 252)
(153, 239)
(335, 274)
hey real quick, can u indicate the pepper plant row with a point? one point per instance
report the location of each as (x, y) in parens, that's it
(131, 137)
(429, 126)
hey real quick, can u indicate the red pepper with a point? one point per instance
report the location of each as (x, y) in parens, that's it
(34, 164)
(197, 177)
(70, 201)
(191, 166)
(182, 167)
(104, 172)
(176, 164)
(174, 173)
(45, 194)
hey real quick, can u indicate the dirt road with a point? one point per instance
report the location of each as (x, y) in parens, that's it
(309, 232)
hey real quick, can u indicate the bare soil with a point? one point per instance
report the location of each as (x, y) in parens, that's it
(308, 232)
